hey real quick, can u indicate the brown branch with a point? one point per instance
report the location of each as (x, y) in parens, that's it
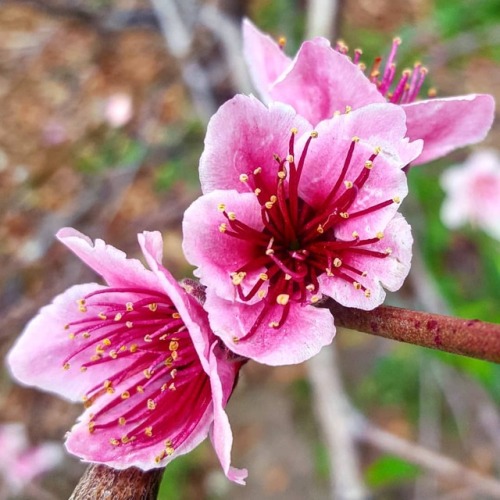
(102, 483)
(473, 338)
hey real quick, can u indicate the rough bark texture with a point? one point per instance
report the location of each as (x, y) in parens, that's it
(473, 338)
(103, 483)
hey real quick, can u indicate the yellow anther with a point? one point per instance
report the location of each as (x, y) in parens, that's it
(129, 324)
(86, 335)
(290, 159)
(102, 316)
(236, 340)
(151, 404)
(140, 389)
(344, 215)
(356, 285)
(129, 306)
(397, 40)
(368, 293)
(125, 395)
(355, 139)
(221, 207)
(257, 171)
(355, 234)
(114, 442)
(172, 387)
(263, 276)
(173, 346)
(81, 302)
(83, 368)
(148, 338)
(261, 294)
(314, 299)
(294, 131)
(106, 342)
(107, 383)
(269, 205)
(257, 191)
(432, 92)
(336, 113)
(396, 199)
(91, 426)
(169, 450)
(282, 299)
(348, 184)
(71, 336)
(337, 262)
(314, 134)
(368, 164)
(153, 306)
(380, 235)
(125, 439)
(95, 357)
(122, 421)
(273, 324)
(160, 457)
(231, 216)
(148, 431)
(113, 354)
(348, 109)
(237, 278)
(377, 150)
(388, 251)
(169, 361)
(328, 272)
(176, 315)
(66, 366)
(287, 277)
(133, 348)
(175, 355)
(320, 229)
(269, 251)
(243, 178)
(147, 373)
(310, 287)
(281, 175)
(282, 41)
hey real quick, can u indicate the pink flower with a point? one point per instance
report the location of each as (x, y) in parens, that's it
(139, 353)
(473, 193)
(290, 214)
(20, 463)
(321, 80)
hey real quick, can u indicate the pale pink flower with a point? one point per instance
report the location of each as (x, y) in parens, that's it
(139, 353)
(118, 110)
(473, 193)
(20, 462)
(322, 80)
(290, 214)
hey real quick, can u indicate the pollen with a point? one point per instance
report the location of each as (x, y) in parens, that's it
(310, 287)
(231, 216)
(236, 340)
(257, 191)
(368, 164)
(261, 294)
(269, 251)
(133, 348)
(320, 229)
(140, 389)
(263, 276)
(380, 235)
(314, 134)
(147, 373)
(173, 346)
(114, 442)
(348, 109)
(243, 178)
(153, 306)
(355, 234)
(129, 324)
(102, 316)
(337, 262)
(290, 159)
(66, 366)
(377, 150)
(118, 316)
(356, 285)
(328, 272)
(273, 324)
(106, 342)
(344, 215)
(221, 207)
(396, 199)
(122, 421)
(91, 427)
(282, 299)
(314, 299)
(432, 92)
(71, 336)
(129, 306)
(282, 41)
(107, 383)
(176, 315)
(388, 251)
(355, 139)
(86, 335)
(125, 395)
(348, 184)
(237, 278)
(170, 450)
(257, 171)
(151, 404)
(294, 131)
(148, 431)
(172, 387)
(368, 293)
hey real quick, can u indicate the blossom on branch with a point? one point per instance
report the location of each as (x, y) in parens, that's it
(322, 80)
(289, 214)
(139, 353)
(473, 193)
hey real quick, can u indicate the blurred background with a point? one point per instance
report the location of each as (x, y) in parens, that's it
(103, 108)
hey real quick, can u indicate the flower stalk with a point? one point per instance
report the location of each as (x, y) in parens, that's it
(101, 482)
(473, 338)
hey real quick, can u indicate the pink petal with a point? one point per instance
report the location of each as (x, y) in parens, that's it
(449, 123)
(216, 254)
(112, 264)
(222, 380)
(389, 272)
(306, 330)
(264, 57)
(243, 135)
(322, 81)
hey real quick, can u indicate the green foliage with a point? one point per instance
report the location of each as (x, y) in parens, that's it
(389, 471)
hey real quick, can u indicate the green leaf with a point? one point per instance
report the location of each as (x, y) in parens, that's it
(389, 470)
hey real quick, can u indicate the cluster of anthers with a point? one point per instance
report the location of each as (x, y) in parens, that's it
(298, 242)
(153, 355)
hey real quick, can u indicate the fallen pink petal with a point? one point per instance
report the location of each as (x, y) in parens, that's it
(322, 80)
(139, 353)
(291, 213)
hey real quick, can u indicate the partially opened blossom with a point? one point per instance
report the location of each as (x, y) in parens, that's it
(139, 353)
(473, 193)
(290, 213)
(322, 80)
(21, 462)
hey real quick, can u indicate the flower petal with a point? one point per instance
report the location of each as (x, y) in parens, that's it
(243, 135)
(321, 81)
(112, 264)
(306, 330)
(449, 123)
(264, 57)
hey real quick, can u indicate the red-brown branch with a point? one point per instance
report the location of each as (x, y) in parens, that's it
(473, 338)
(103, 483)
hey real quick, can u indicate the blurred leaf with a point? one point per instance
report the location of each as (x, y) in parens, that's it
(389, 470)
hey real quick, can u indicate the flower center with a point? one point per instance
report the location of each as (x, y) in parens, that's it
(404, 90)
(150, 370)
(298, 242)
